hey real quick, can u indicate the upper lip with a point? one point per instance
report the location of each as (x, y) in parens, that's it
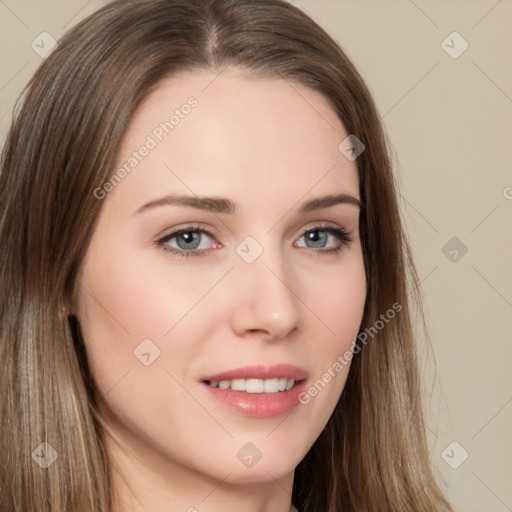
(260, 372)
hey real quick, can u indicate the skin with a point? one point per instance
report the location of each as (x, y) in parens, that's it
(268, 147)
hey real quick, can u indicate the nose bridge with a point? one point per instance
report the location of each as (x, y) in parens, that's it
(263, 299)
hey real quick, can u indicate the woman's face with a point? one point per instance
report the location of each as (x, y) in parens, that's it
(243, 292)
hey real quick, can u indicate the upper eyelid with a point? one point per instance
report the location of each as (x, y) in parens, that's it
(177, 231)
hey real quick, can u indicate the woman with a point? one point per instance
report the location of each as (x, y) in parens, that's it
(204, 276)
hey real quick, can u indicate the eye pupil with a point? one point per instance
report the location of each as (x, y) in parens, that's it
(316, 236)
(189, 237)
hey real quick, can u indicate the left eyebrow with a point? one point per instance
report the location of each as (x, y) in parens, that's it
(328, 201)
(226, 206)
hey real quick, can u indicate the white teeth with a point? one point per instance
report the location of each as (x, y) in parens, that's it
(271, 385)
(252, 386)
(282, 383)
(255, 385)
(238, 384)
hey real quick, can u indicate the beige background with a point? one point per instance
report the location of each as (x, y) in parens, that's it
(450, 122)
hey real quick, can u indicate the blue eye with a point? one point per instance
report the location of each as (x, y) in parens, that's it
(189, 240)
(319, 236)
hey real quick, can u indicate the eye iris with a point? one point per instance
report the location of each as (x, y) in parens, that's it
(189, 236)
(315, 236)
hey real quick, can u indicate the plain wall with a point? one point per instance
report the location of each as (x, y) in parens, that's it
(449, 118)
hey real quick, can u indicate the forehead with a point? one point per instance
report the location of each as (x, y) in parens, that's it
(210, 130)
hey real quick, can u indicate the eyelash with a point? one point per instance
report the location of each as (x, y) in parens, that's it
(340, 233)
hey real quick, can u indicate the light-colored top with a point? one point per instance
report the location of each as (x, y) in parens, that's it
(293, 508)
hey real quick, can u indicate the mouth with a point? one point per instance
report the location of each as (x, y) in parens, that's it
(257, 391)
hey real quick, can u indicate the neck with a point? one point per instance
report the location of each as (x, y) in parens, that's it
(153, 483)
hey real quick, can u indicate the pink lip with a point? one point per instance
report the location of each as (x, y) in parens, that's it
(258, 405)
(260, 372)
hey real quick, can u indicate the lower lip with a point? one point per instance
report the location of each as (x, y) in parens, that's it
(258, 405)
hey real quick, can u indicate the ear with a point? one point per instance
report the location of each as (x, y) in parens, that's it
(64, 313)
(67, 307)
(70, 301)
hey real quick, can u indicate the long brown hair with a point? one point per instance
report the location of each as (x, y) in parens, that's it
(63, 144)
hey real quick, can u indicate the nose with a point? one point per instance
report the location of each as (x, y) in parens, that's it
(264, 304)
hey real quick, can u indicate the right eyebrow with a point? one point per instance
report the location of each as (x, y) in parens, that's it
(211, 204)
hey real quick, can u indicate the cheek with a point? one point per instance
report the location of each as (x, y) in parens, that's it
(118, 309)
(339, 302)
(131, 306)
